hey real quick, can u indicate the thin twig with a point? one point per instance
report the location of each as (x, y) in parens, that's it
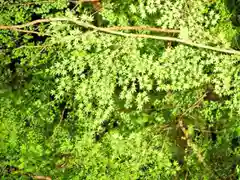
(87, 25)
(207, 131)
(194, 105)
(186, 176)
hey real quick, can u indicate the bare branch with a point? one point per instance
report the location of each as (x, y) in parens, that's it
(146, 28)
(42, 177)
(106, 30)
(81, 1)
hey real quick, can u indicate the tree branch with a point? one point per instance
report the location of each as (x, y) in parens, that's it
(106, 30)
(147, 28)
(14, 27)
(42, 177)
(29, 3)
(81, 1)
(31, 32)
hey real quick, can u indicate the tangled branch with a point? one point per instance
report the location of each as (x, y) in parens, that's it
(107, 30)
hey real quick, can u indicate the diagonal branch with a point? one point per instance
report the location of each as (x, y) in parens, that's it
(194, 105)
(106, 30)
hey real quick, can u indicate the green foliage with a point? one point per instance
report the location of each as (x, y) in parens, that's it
(81, 104)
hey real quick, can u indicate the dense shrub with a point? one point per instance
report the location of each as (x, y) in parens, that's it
(80, 103)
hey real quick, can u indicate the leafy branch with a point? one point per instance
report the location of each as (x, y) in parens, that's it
(106, 30)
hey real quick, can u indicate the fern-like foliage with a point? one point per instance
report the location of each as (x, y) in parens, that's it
(77, 103)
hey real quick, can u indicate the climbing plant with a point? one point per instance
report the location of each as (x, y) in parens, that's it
(146, 89)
